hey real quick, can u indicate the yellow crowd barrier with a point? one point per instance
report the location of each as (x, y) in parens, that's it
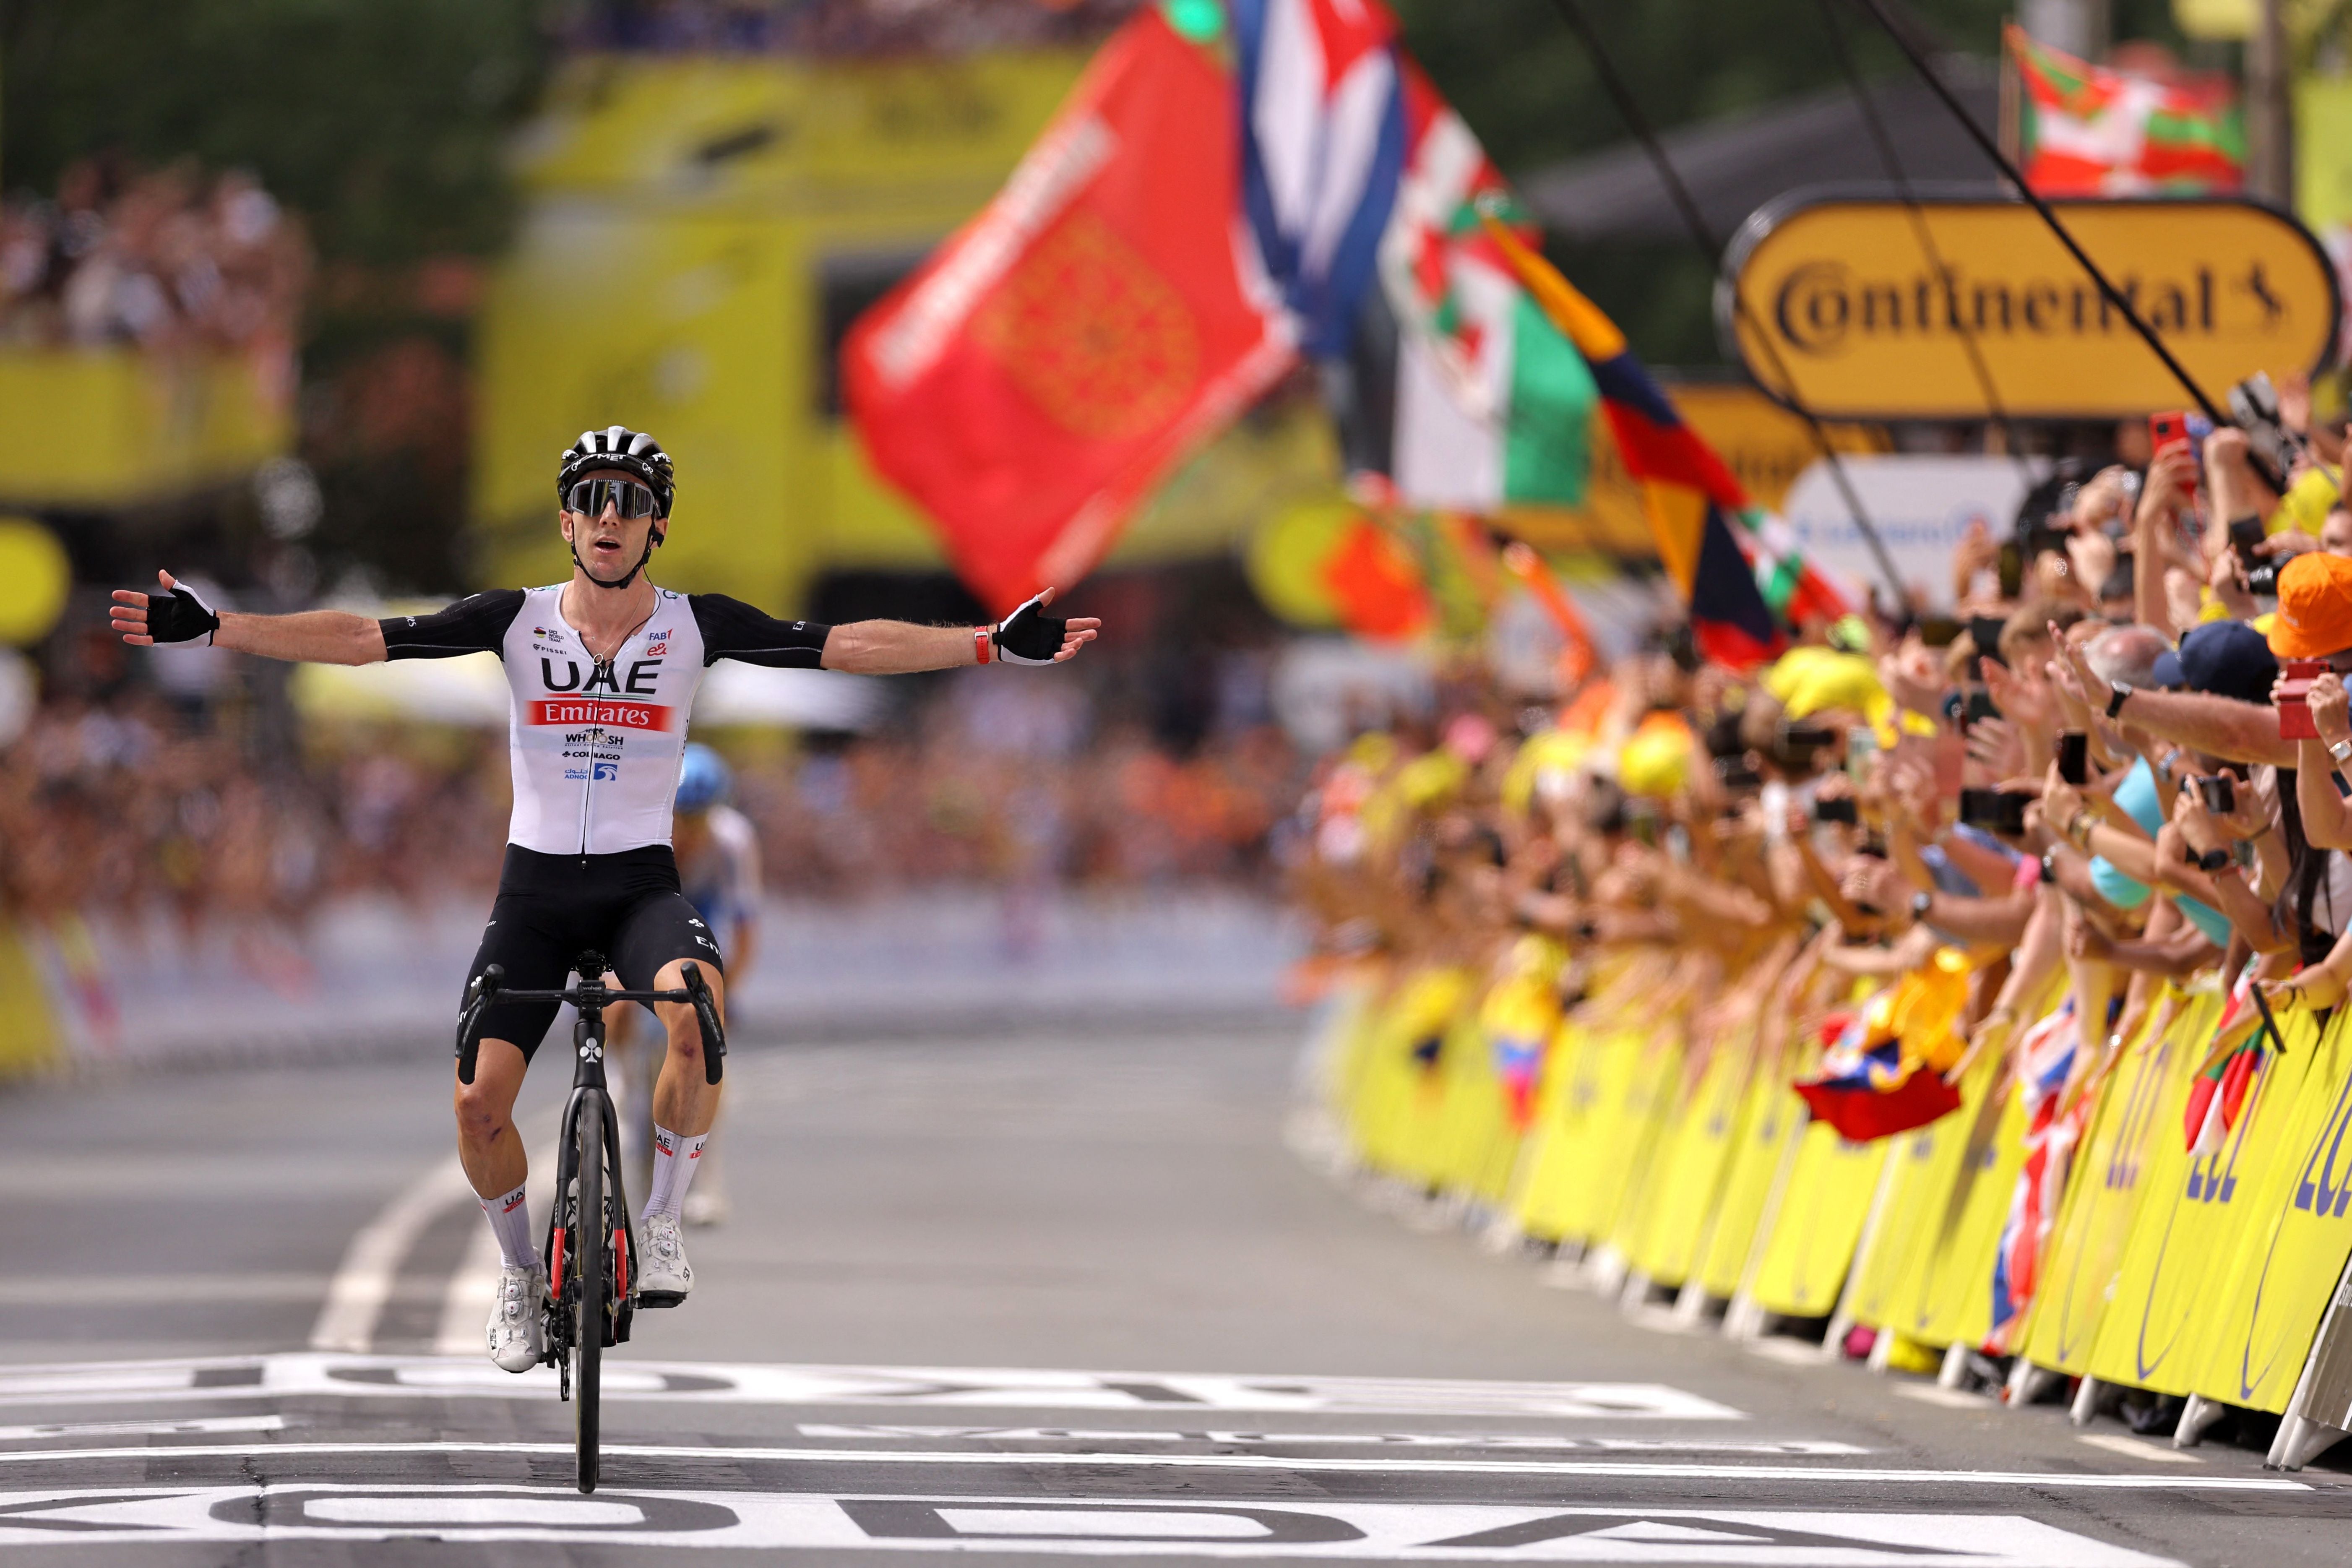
(28, 1036)
(1690, 1164)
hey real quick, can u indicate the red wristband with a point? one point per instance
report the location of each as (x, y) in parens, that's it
(984, 642)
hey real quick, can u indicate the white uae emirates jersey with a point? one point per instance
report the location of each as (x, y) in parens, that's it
(595, 745)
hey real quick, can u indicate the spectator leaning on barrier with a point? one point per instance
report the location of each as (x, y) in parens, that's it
(1904, 864)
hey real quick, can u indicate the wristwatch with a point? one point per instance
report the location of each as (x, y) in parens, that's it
(1920, 904)
(2116, 695)
(2342, 752)
(2210, 860)
(2049, 866)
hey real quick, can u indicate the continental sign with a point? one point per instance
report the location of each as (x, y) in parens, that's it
(1832, 300)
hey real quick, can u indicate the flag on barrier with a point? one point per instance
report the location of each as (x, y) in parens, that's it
(1881, 1073)
(2218, 1096)
(2046, 1055)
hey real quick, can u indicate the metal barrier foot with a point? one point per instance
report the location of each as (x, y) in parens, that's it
(2196, 1416)
(2028, 1382)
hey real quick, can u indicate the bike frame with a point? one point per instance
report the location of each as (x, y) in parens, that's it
(591, 996)
(587, 1080)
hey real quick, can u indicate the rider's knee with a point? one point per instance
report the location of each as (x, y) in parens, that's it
(481, 1111)
(685, 1040)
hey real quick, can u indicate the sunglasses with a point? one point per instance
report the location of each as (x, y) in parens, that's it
(591, 497)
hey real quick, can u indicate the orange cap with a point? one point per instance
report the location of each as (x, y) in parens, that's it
(2314, 613)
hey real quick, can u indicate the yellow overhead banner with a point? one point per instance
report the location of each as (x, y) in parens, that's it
(1837, 294)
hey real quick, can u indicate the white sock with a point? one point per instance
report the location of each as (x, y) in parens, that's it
(674, 1156)
(509, 1218)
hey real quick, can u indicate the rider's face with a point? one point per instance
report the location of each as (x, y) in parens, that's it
(608, 544)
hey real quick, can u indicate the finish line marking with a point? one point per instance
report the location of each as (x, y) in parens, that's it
(193, 1424)
(1508, 1440)
(1092, 1527)
(316, 1374)
(1621, 1470)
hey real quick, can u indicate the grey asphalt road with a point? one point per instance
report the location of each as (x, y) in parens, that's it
(1034, 1293)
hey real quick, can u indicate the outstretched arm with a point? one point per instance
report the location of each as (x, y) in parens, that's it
(312, 636)
(732, 629)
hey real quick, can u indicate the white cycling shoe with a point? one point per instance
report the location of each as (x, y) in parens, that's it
(518, 1331)
(665, 1278)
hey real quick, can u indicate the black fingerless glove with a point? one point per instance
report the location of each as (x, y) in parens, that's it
(1029, 636)
(179, 615)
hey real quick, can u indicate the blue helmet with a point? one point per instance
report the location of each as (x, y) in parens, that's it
(703, 778)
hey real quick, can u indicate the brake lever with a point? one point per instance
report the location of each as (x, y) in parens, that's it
(705, 1014)
(480, 992)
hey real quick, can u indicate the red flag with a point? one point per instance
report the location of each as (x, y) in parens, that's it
(1096, 322)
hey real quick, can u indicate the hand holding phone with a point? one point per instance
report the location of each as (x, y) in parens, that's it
(2075, 757)
(2292, 696)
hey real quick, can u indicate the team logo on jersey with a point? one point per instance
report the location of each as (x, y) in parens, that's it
(659, 647)
(605, 772)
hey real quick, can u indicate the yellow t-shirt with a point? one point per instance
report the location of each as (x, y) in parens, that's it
(1810, 679)
(2308, 499)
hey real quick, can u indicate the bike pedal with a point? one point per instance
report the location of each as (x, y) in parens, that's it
(660, 1297)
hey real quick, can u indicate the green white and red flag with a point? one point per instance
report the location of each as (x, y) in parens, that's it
(2087, 130)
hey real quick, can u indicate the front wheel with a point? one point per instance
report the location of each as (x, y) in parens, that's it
(591, 1239)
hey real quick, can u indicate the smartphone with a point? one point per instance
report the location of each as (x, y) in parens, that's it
(1977, 705)
(2075, 757)
(1939, 631)
(2119, 584)
(2166, 431)
(1737, 773)
(1842, 809)
(2245, 534)
(1985, 632)
(1994, 811)
(2295, 698)
(2218, 792)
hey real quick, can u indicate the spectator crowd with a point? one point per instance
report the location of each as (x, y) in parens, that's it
(169, 260)
(2116, 774)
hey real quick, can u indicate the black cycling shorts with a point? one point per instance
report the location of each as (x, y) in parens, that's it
(552, 907)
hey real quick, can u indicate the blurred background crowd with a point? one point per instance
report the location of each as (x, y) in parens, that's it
(300, 302)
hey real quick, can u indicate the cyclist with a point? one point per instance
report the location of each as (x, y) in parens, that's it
(603, 669)
(719, 871)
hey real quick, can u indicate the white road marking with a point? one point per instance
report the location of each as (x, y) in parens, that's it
(153, 1289)
(364, 1283)
(1507, 1440)
(1092, 1527)
(1794, 1353)
(2138, 1448)
(1949, 1399)
(309, 1374)
(1621, 1469)
(195, 1425)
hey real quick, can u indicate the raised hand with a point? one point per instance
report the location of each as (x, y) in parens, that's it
(176, 615)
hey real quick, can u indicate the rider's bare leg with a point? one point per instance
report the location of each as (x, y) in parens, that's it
(683, 1101)
(684, 1105)
(490, 1149)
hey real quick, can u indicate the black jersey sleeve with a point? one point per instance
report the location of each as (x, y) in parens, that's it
(733, 630)
(476, 623)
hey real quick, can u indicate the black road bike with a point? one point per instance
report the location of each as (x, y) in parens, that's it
(592, 1241)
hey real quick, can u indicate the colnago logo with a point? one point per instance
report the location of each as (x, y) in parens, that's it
(601, 712)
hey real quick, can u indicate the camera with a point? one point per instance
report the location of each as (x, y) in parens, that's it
(2218, 792)
(1842, 809)
(1994, 811)
(2271, 447)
